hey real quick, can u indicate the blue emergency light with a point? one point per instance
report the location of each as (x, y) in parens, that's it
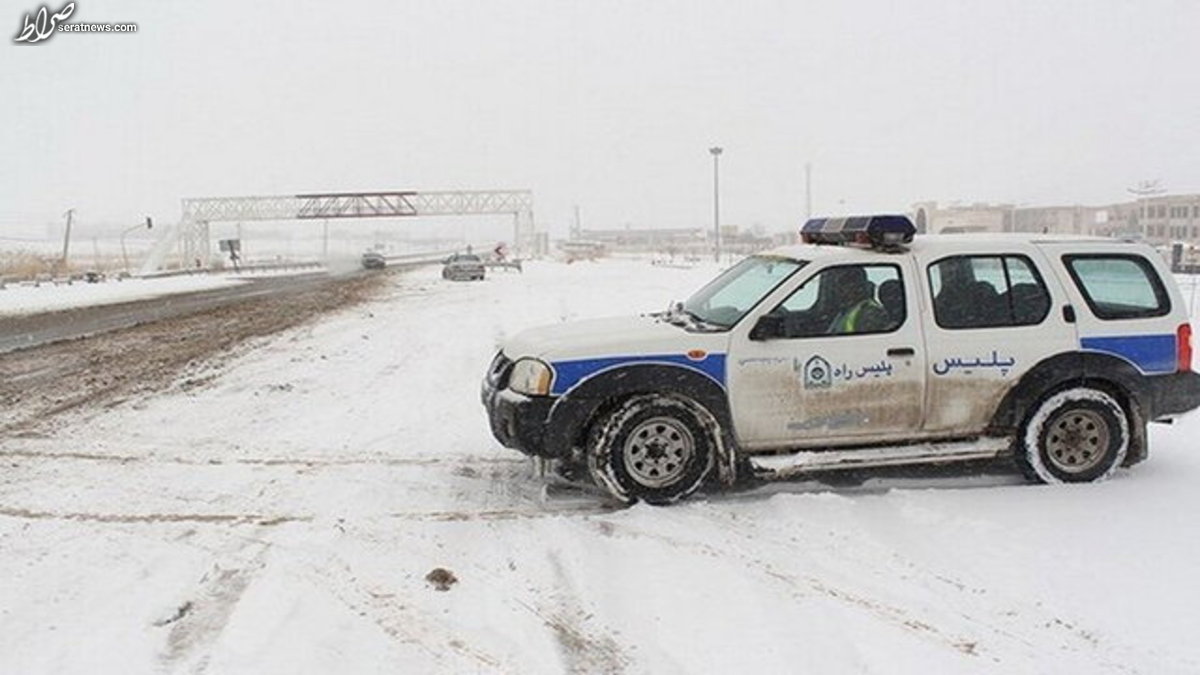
(888, 231)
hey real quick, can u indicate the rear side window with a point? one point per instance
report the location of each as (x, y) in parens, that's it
(987, 291)
(1119, 286)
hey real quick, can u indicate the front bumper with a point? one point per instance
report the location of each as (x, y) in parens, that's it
(516, 420)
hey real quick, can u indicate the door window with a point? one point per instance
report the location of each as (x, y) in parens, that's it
(987, 291)
(845, 300)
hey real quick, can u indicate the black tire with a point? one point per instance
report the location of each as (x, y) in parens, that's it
(1076, 435)
(653, 448)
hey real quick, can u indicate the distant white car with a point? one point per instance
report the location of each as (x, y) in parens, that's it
(374, 260)
(864, 347)
(463, 267)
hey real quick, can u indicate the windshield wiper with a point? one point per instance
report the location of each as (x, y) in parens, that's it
(676, 315)
(672, 315)
(699, 321)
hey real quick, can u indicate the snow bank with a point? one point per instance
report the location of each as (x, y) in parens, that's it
(49, 297)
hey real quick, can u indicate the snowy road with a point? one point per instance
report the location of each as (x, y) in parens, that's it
(282, 519)
(129, 303)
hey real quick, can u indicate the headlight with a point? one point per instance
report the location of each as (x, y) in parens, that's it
(530, 377)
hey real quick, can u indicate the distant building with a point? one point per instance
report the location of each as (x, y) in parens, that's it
(1158, 220)
(1166, 218)
(682, 241)
(934, 219)
(645, 239)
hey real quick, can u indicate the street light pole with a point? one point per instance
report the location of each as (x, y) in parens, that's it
(716, 153)
(70, 214)
(149, 224)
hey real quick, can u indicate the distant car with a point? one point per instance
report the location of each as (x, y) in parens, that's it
(463, 267)
(374, 260)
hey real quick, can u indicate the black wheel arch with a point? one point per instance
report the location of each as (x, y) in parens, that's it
(575, 411)
(1112, 374)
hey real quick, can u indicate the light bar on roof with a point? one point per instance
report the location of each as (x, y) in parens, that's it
(885, 231)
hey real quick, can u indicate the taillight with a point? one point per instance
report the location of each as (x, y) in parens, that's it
(1183, 346)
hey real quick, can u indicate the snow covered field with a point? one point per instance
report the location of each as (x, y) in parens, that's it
(27, 299)
(283, 520)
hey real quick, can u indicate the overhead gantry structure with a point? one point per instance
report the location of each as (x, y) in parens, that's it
(191, 237)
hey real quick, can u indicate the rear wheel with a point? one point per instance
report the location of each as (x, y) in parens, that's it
(653, 448)
(1073, 436)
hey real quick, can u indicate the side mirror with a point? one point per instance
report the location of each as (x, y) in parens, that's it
(769, 326)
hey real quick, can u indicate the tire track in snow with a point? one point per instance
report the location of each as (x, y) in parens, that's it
(155, 518)
(806, 585)
(502, 498)
(753, 534)
(402, 622)
(269, 520)
(584, 646)
(585, 649)
(199, 621)
(1080, 640)
(259, 461)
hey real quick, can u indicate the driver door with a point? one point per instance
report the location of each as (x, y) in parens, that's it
(810, 377)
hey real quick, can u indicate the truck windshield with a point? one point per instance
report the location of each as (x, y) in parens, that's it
(726, 299)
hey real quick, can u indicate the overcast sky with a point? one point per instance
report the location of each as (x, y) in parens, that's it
(608, 105)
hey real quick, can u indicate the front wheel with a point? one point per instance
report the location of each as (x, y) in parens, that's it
(653, 448)
(1074, 436)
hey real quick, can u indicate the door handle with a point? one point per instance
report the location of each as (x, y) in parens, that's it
(901, 351)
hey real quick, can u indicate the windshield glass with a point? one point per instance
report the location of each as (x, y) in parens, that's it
(726, 299)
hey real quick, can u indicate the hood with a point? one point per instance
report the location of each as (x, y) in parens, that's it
(605, 337)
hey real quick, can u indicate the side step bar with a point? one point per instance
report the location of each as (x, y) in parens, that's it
(785, 466)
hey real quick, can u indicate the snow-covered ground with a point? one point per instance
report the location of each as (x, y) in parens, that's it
(18, 299)
(283, 520)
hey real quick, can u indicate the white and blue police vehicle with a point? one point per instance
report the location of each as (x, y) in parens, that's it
(863, 347)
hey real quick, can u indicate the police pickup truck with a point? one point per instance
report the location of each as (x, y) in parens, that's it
(862, 347)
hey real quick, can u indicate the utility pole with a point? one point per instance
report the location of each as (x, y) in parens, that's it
(70, 214)
(716, 153)
(325, 240)
(808, 190)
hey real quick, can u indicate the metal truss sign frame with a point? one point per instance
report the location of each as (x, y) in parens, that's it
(192, 234)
